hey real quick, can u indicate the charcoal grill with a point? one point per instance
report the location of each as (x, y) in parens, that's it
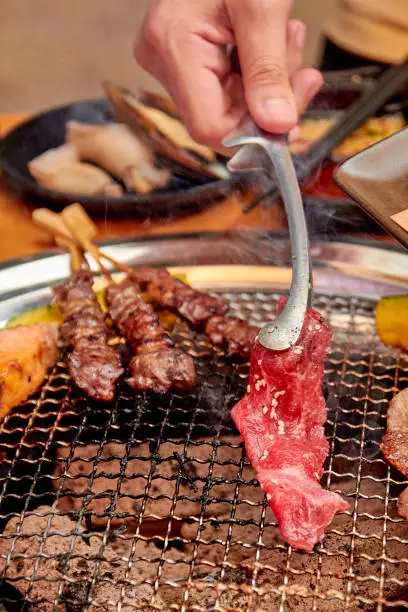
(151, 504)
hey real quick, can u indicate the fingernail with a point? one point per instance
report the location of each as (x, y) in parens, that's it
(300, 35)
(279, 108)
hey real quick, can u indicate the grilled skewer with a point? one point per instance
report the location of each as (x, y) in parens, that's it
(172, 293)
(94, 366)
(156, 364)
(234, 335)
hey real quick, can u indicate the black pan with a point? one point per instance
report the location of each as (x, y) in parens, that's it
(47, 130)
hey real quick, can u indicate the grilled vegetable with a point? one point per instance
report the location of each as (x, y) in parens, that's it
(26, 353)
(392, 320)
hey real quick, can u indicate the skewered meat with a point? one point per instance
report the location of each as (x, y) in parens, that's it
(395, 442)
(26, 353)
(115, 148)
(281, 419)
(160, 370)
(234, 335)
(94, 366)
(157, 365)
(62, 170)
(172, 293)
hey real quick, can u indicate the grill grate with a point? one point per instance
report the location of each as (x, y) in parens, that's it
(151, 503)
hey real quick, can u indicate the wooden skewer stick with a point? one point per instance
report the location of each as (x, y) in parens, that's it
(82, 231)
(81, 226)
(53, 224)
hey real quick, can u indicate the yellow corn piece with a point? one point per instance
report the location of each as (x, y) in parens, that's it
(392, 320)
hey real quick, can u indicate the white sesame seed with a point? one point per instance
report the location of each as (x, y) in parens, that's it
(256, 376)
(281, 428)
(318, 326)
(274, 402)
(278, 393)
(271, 437)
(265, 455)
(259, 361)
(310, 328)
(273, 414)
(268, 497)
(249, 388)
(265, 409)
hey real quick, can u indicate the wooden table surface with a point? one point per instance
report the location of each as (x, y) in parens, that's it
(19, 236)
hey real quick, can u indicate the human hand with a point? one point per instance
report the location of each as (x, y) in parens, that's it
(183, 44)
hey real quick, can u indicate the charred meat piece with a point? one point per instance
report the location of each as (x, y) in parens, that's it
(281, 419)
(94, 366)
(172, 293)
(26, 354)
(162, 369)
(156, 365)
(395, 442)
(234, 335)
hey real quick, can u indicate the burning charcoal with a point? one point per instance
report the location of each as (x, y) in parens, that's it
(75, 596)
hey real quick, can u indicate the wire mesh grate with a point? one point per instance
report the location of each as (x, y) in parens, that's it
(151, 504)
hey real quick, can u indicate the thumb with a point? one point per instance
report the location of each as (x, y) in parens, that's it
(260, 28)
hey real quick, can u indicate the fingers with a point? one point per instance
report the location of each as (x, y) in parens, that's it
(206, 93)
(183, 46)
(261, 36)
(306, 83)
(296, 35)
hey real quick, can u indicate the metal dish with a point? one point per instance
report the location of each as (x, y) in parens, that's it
(228, 555)
(219, 562)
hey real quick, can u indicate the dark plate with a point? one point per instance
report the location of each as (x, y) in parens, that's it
(47, 130)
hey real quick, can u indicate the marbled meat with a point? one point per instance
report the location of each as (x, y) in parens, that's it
(94, 366)
(281, 419)
(156, 365)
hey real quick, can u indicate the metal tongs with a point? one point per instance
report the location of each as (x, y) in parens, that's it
(261, 151)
